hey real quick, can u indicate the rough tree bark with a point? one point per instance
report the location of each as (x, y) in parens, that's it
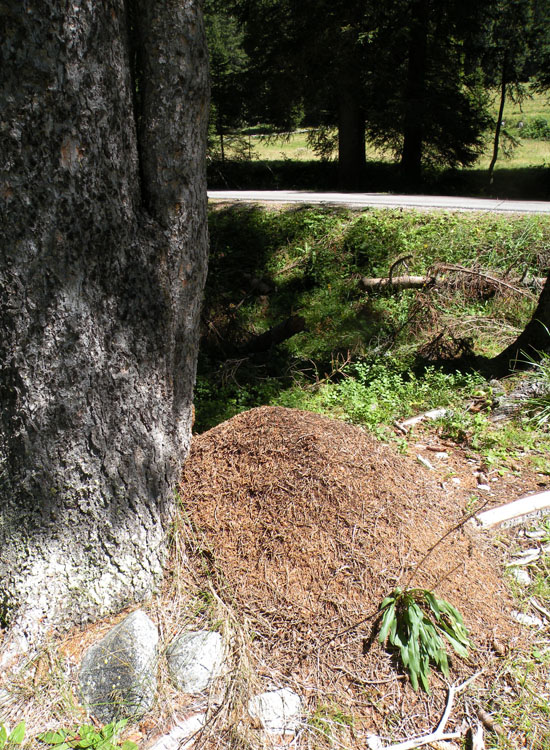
(531, 342)
(103, 250)
(351, 143)
(351, 128)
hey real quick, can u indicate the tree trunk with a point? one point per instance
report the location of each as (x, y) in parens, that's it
(529, 345)
(496, 140)
(413, 130)
(103, 259)
(351, 134)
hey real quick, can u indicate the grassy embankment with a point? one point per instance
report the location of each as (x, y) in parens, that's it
(362, 357)
(359, 355)
(354, 357)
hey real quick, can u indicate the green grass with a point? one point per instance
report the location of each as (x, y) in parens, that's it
(518, 699)
(529, 153)
(358, 361)
(357, 348)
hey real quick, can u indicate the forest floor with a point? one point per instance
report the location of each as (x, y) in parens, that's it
(292, 528)
(295, 523)
(304, 524)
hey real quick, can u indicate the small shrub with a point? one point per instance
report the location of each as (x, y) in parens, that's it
(9, 739)
(539, 406)
(416, 623)
(87, 736)
(537, 129)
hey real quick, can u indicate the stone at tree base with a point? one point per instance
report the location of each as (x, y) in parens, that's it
(183, 730)
(195, 659)
(118, 673)
(278, 711)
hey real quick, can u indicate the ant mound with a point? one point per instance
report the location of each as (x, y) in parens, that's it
(306, 524)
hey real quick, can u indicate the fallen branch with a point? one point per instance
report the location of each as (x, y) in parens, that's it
(484, 276)
(432, 414)
(477, 738)
(399, 282)
(439, 733)
(434, 279)
(402, 260)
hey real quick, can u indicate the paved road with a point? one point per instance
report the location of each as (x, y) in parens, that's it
(384, 200)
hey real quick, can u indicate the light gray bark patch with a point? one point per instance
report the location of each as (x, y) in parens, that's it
(118, 673)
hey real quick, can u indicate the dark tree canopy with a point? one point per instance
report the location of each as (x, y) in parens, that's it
(406, 74)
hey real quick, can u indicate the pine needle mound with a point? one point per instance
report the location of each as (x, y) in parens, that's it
(306, 524)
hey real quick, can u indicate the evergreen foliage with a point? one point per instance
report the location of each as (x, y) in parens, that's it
(410, 75)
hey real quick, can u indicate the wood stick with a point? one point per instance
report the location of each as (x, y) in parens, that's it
(399, 282)
(439, 733)
(430, 280)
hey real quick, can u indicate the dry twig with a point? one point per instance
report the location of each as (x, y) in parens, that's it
(439, 733)
(482, 275)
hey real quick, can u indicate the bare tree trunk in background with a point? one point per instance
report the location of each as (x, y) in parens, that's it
(498, 128)
(351, 132)
(103, 249)
(413, 127)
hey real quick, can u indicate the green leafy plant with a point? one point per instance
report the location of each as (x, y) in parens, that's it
(416, 623)
(10, 739)
(87, 736)
(537, 128)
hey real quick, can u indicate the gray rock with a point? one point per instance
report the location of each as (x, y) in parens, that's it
(195, 659)
(278, 711)
(521, 576)
(182, 731)
(118, 673)
(529, 620)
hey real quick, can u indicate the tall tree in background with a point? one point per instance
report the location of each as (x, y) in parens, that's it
(539, 52)
(308, 58)
(228, 71)
(403, 72)
(103, 245)
(510, 34)
(424, 92)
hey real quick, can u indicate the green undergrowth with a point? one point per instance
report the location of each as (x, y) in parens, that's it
(361, 356)
(419, 626)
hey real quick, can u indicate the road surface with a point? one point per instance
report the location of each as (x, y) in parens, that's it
(383, 200)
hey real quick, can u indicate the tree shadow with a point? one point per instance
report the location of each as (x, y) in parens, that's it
(518, 183)
(247, 294)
